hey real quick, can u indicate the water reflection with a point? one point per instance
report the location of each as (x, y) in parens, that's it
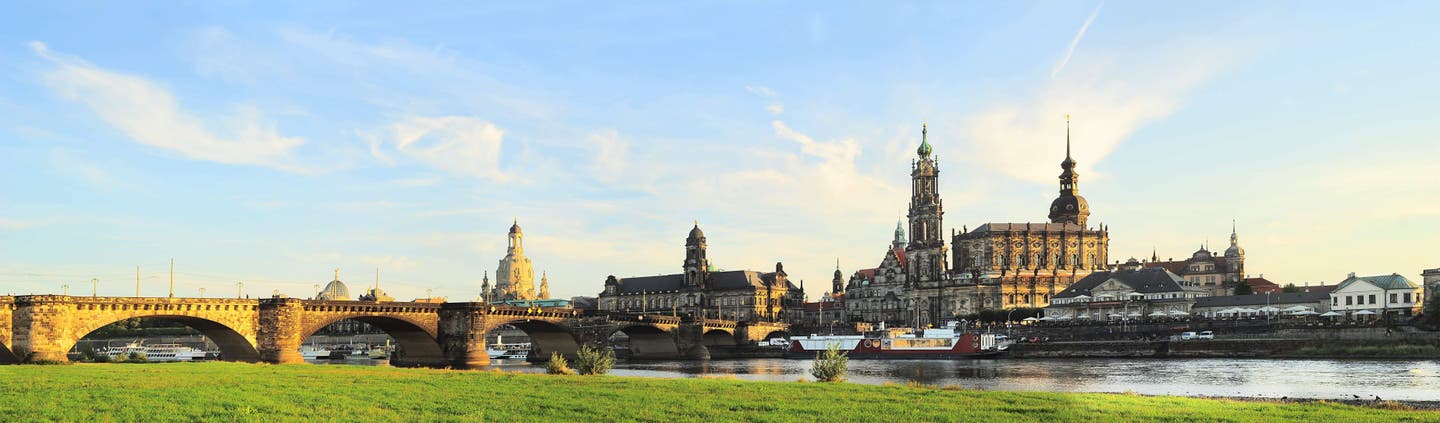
(1330, 379)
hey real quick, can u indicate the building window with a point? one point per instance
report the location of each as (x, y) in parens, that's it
(1372, 298)
(1394, 298)
(1335, 301)
(1348, 299)
(1407, 297)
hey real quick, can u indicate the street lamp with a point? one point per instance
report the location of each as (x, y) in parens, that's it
(64, 289)
(239, 289)
(202, 292)
(94, 287)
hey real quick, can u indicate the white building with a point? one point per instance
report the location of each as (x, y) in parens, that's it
(1386, 294)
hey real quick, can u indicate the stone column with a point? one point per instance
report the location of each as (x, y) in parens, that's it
(461, 333)
(42, 328)
(279, 337)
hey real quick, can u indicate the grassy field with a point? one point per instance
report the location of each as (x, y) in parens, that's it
(256, 392)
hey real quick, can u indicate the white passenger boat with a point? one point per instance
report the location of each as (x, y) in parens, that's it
(155, 352)
(502, 350)
(900, 343)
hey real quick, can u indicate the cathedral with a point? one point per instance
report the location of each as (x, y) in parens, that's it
(997, 265)
(514, 277)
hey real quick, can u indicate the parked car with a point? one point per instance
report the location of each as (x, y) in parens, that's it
(1188, 336)
(1205, 335)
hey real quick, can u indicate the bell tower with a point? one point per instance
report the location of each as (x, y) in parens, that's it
(926, 249)
(696, 265)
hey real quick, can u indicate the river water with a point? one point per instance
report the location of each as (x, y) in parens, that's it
(1413, 380)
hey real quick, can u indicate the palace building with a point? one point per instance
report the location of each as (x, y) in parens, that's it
(701, 291)
(1218, 274)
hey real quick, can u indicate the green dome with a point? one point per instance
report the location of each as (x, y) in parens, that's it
(924, 149)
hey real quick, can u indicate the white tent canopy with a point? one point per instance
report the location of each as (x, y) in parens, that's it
(1364, 313)
(1297, 309)
(1331, 314)
(1304, 313)
(1158, 314)
(1268, 309)
(1178, 313)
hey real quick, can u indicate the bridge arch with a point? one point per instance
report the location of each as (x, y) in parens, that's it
(545, 338)
(234, 345)
(650, 342)
(719, 338)
(415, 341)
(6, 356)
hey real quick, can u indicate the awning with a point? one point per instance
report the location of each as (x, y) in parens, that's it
(1030, 319)
(1304, 313)
(1296, 309)
(1331, 314)
(1364, 313)
(1178, 313)
(1268, 309)
(1158, 314)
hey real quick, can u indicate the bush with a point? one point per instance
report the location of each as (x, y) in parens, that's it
(557, 365)
(592, 361)
(830, 365)
(136, 357)
(101, 358)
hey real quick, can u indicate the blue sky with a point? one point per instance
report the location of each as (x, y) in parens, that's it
(268, 145)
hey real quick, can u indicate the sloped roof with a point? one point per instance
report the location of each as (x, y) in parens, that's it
(1391, 281)
(1262, 285)
(1027, 227)
(730, 279)
(1143, 281)
(1262, 299)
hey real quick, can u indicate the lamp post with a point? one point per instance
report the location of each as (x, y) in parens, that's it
(94, 287)
(239, 289)
(202, 292)
(64, 289)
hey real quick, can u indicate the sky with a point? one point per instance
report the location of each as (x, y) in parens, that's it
(271, 143)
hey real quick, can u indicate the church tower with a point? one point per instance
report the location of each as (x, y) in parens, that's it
(485, 294)
(837, 285)
(544, 286)
(1234, 258)
(926, 250)
(515, 278)
(696, 266)
(1070, 207)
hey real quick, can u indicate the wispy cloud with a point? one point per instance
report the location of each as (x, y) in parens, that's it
(1109, 99)
(149, 114)
(610, 154)
(775, 107)
(1070, 50)
(459, 145)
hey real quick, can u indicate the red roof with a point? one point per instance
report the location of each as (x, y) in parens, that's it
(867, 274)
(900, 255)
(1262, 285)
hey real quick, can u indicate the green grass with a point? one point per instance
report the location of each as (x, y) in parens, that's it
(264, 393)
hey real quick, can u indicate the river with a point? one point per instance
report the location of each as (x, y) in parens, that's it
(1410, 380)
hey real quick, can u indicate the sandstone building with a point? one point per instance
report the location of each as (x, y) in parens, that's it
(701, 291)
(1218, 274)
(514, 277)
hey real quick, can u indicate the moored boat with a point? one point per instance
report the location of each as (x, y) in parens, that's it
(901, 344)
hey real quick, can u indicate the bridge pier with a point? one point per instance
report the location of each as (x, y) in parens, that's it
(461, 334)
(279, 336)
(690, 342)
(41, 324)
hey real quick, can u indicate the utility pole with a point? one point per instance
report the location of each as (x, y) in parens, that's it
(172, 277)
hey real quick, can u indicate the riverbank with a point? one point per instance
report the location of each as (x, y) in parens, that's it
(1235, 348)
(253, 392)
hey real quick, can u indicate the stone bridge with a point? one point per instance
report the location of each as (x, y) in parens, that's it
(45, 327)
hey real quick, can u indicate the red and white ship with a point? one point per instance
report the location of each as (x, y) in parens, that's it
(901, 343)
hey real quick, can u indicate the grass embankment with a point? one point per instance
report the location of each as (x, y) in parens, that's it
(250, 392)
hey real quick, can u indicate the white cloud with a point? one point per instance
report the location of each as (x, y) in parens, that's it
(775, 109)
(1069, 51)
(760, 90)
(610, 154)
(459, 145)
(1107, 99)
(149, 114)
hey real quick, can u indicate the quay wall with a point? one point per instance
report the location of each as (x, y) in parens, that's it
(1231, 348)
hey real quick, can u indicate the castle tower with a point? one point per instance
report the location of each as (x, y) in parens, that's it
(837, 285)
(1070, 207)
(515, 278)
(696, 266)
(926, 250)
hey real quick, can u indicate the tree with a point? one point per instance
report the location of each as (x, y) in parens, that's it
(1244, 288)
(591, 361)
(1290, 287)
(830, 365)
(557, 365)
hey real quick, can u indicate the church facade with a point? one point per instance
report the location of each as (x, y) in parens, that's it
(996, 265)
(514, 276)
(701, 291)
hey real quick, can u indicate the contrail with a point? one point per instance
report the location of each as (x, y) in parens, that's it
(1075, 41)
